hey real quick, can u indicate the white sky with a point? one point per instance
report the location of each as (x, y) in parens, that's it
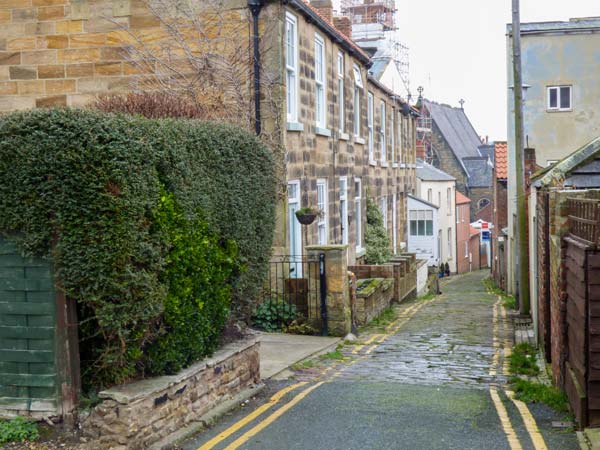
(458, 50)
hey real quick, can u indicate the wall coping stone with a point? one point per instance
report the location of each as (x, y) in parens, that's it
(326, 247)
(130, 392)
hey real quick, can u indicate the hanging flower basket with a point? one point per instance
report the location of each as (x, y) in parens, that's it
(306, 216)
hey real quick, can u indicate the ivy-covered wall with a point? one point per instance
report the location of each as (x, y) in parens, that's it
(156, 227)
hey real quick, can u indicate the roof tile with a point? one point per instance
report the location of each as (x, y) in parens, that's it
(501, 160)
(462, 199)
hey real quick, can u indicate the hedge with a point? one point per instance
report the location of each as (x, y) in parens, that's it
(377, 241)
(117, 202)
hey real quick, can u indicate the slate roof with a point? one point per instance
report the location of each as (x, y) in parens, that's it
(479, 170)
(581, 169)
(456, 129)
(487, 150)
(573, 25)
(462, 199)
(427, 172)
(501, 160)
(378, 67)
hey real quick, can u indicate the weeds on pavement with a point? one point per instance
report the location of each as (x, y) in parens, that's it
(523, 360)
(532, 392)
(507, 300)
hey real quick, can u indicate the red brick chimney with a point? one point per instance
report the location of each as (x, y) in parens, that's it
(325, 8)
(530, 164)
(344, 25)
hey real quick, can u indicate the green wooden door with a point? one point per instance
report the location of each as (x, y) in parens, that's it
(28, 375)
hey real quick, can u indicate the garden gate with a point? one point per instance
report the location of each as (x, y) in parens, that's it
(295, 293)
(38, 332)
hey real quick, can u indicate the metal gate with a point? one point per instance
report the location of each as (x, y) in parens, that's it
(295, 294)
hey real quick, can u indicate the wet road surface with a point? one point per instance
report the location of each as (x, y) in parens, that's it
(434, 378)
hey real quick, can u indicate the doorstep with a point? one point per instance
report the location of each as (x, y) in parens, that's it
(279, 351)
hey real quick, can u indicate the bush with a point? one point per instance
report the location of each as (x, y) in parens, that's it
(88, 189)
(377, 242)
(274, 315)
(17, 430)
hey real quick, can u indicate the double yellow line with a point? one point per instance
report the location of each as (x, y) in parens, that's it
(376, 340)
(528, 419)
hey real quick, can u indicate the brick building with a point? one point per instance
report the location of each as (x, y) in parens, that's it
(463, 233)
(339, 135)
(499, 216)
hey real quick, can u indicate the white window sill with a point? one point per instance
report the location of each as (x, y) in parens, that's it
(372, 163)
(344, 137)
(558, 110)
(360, 252)
(359, 140)
(384, 164)
(322, 132)
(295, 126)
(395, 165)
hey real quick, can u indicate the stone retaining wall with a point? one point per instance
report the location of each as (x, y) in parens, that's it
(373, 298)
(137, 415)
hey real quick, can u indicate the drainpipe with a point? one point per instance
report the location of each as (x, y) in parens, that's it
(255, 7)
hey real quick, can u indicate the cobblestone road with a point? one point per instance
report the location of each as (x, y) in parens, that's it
(433, 378)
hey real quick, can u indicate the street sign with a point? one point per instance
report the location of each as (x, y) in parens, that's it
(484, 225)
(485, 236)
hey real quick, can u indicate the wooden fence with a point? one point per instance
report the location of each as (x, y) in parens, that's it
(584, 219)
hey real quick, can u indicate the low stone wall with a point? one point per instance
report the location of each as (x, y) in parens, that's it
(373, 295)
(140, 414)
(422, 277)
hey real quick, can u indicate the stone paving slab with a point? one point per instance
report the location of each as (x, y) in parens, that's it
(278, 351)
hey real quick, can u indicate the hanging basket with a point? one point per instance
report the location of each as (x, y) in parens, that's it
(306, 216)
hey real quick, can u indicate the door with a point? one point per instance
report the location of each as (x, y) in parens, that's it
(344, 209)
(395, 222)
(295, 230)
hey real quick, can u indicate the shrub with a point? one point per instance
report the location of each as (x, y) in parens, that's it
(377, 242)
(112, 199)
(274, 315)
(17, 430)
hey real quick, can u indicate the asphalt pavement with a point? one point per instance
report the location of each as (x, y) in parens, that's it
(434, 378)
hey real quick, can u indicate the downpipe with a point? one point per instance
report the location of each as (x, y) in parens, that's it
(255, 8)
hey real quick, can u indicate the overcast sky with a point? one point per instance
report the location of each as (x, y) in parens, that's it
(458, 50)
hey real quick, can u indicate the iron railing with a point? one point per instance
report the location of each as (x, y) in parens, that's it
(584, 219)
(295, 293)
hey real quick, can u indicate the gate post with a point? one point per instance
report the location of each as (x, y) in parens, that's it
(336, 295)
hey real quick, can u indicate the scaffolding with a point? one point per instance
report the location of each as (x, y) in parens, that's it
(370, 12)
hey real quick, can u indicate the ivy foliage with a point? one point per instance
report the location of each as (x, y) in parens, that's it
(116, 202)
(377, 242)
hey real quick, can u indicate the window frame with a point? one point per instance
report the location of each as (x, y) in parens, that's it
(343, 185)
(358, 213)
(323, 217)
(393, 137)
(417, 223)
(382, 132)
(370, 126)
(358, 88)
(383, 207)
(292, 69)
(320, 83)
(558, 89)
(341, 92)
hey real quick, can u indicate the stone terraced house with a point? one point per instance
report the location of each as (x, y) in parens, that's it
(343, 136)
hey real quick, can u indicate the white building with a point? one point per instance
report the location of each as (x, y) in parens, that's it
(438, 188)
(422, 230)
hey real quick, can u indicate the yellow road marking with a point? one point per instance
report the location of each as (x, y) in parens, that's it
(507, 347)
(357, 348)
(250, 417)
(513, 440)
(529, 421)
(272, 418)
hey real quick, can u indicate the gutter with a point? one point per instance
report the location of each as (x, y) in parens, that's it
(255, 7)
(324, 25)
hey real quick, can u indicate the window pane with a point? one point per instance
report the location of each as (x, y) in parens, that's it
(421, 228)
(429, 227)
(421, 215)
(429, 215)
(553, 100)
(565, 97)
(413, 227)
(412, 215)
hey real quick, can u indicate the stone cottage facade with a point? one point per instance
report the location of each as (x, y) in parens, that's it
(338, 134)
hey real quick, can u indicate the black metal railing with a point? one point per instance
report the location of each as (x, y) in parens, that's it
(294, 297)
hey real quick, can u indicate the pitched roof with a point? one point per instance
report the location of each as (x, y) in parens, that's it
(425, 202)
(487, 150)
(331, 28)
(573, 25)
(479, 170)
(462, 199)
(378, 67)
(501, 160)
(473, 231)
(456, 129)
(570, 169)
(427, 172)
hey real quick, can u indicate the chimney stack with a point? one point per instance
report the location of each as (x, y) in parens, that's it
(325, 8)
(344, 25)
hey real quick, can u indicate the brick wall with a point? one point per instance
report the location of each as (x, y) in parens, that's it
(463, 234)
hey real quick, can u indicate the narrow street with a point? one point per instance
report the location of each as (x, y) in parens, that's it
(434, 379)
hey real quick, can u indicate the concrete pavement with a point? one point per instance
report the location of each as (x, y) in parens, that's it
(431, 379)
